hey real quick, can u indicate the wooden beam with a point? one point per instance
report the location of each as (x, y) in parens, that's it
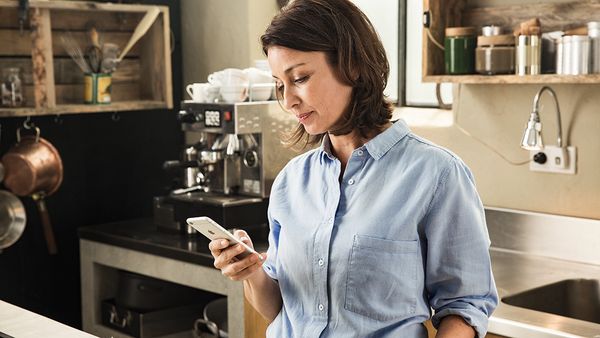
(41, 57)
(81, 5)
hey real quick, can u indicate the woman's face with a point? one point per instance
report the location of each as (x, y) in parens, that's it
(309, 88)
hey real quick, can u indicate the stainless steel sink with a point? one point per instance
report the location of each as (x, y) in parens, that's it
(574, 298)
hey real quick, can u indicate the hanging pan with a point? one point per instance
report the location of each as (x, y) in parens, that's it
(34, 168)
(12, 219)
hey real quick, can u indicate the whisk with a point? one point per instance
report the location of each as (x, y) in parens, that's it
(75, 52)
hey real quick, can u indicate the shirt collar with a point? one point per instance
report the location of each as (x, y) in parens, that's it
(383, 142)
(378, 146)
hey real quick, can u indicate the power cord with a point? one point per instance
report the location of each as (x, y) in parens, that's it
(464, 131)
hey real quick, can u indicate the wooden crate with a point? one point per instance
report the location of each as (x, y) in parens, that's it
(53, 83)
(453, 13)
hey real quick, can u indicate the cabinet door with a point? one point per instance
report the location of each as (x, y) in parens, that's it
(431, 331)
(255, 326)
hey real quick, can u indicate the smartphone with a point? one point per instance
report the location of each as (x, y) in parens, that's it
(212, 230)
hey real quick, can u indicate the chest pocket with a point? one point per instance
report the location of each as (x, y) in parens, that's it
(382, 278)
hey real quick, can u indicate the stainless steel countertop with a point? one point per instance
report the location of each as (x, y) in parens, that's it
(515, 272)
(526, 266)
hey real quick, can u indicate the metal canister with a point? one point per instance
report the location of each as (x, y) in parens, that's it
(575, 54)
(459, 46)
(594, 34)
(528, 55)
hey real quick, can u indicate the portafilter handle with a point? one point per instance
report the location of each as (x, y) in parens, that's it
(171, 165)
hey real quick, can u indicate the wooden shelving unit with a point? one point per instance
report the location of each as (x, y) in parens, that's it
(454, 13)
(52, 82)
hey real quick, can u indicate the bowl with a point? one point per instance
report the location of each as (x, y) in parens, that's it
(261, 91)
(234, 93)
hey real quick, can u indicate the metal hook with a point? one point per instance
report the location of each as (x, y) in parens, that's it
(115, 117)
(28, 124)
(58, 120)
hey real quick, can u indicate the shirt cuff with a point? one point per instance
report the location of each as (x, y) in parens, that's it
(475, 318)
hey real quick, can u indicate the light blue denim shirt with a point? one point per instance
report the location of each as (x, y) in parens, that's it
(369, 255)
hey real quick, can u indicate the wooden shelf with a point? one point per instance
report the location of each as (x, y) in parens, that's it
(86, 108)
(53, 84)
(456, 13)
(514, 79)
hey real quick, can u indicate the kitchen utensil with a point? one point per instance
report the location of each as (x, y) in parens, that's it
(140, 30)
(110, 53)
(12, 219)
(215, 318)
(74, 51)
(93, 55)
(34, 167)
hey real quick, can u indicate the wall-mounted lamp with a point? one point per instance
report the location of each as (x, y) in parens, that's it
(562, 159)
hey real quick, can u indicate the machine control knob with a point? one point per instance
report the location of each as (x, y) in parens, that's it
(540, 158)
(250, 158)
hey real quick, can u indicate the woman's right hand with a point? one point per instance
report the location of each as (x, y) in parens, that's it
(231, 266)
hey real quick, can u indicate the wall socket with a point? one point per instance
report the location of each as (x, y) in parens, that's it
(559, 160)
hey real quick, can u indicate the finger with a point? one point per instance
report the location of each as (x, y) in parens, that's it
(218, 244)
(242, 268)
(243, 236)
(227, 255)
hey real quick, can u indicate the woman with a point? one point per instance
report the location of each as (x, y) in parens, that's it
(376, 226)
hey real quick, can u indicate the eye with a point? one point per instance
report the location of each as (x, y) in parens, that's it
(301, 80)
(279, 86)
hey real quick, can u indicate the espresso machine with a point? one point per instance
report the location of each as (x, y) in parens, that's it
(228, 171)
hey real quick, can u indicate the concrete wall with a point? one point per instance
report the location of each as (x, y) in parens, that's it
(497, 115)
(218, 34)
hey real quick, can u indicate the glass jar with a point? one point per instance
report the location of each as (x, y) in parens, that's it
(12, 88)
(459, 50)
(528, 55)
(495, 55)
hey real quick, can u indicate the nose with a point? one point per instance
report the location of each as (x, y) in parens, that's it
(290, 98)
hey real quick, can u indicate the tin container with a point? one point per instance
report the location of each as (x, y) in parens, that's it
(459, 55)
(575, 51)
(528, 55)
(495, 55)
(97, 88)
(594, 34)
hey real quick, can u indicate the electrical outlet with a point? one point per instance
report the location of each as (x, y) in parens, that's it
(558, 160)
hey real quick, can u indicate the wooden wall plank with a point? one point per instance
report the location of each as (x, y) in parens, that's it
(553, 16)
(67, 72)
(73, 94)
(75, 20)
(14, 44)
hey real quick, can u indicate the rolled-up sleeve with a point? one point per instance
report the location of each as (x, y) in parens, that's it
(459, 278)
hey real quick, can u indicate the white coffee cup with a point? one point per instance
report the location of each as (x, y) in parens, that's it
(256, 75)
(234, 93)
(229, 76)
(197, 91)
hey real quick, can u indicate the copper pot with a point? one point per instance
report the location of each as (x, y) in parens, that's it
(34, 167)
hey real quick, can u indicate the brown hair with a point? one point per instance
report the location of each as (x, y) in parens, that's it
(353, 49)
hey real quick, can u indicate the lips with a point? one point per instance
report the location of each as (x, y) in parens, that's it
(303, 117)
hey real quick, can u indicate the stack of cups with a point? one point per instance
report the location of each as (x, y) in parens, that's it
(260, 84)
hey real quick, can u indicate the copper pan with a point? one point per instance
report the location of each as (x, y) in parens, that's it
(34, 168)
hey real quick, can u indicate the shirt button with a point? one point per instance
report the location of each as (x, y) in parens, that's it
(351, 181)
(359, 153)
(321, 307)
(321, 262)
